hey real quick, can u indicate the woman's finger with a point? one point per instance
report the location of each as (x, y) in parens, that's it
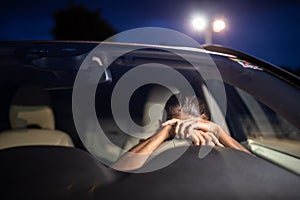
(215, 140)
(177, 129)
(182, 129)
(200, 137)
(195, 139)
(170, 122)
(207, 126)
(208, 139)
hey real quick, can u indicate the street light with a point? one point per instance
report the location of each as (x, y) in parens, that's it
(201, 25)
(218, 25)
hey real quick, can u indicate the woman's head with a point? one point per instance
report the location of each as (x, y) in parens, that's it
(182, 107)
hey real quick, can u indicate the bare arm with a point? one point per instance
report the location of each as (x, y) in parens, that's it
(228, 141)
(137, 156)
(184, 128)
(201, 132)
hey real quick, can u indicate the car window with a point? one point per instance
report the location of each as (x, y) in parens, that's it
(267, 123)
(266, 133)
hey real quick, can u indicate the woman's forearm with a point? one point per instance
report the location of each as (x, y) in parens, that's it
(151, 144)
(228, 141)
(137, 156)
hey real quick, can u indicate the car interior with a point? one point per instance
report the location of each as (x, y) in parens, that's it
(32, 121)
(39, 140)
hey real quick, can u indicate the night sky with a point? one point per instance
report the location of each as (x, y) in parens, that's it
(267, 29)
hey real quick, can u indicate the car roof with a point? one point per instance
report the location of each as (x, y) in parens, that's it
(69, 48)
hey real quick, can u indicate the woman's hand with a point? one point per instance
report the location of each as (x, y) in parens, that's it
(186, 129)
(201, 132)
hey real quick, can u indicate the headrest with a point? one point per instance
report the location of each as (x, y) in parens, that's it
(31, 107)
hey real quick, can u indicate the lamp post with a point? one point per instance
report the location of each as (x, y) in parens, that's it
(201, 25)
(208, 35)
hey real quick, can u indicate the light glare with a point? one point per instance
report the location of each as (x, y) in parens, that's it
(218, 25)
(199, 24)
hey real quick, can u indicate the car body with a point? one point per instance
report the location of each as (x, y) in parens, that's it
(261, 111)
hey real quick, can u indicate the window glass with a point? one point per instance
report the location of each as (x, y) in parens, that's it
(268, 124)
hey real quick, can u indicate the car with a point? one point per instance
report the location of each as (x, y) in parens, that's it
(70, 109)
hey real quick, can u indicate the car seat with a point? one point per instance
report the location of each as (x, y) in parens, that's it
(32, 120)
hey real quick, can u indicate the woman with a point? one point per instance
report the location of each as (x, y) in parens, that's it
(187, 118)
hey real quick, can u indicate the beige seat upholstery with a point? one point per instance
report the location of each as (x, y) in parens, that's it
(30, 137)
(32, 121)
(24, 116)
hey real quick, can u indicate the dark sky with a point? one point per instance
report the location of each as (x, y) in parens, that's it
(267, 29)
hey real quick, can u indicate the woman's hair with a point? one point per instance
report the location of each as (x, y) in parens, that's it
(188, 105)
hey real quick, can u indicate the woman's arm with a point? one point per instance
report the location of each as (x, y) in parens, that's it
(200, 131)
(137, 156)
(228, 141)
(209, 131)
(223, 137)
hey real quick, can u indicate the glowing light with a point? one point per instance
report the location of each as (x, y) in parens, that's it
(218, 25)
(199, 24)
